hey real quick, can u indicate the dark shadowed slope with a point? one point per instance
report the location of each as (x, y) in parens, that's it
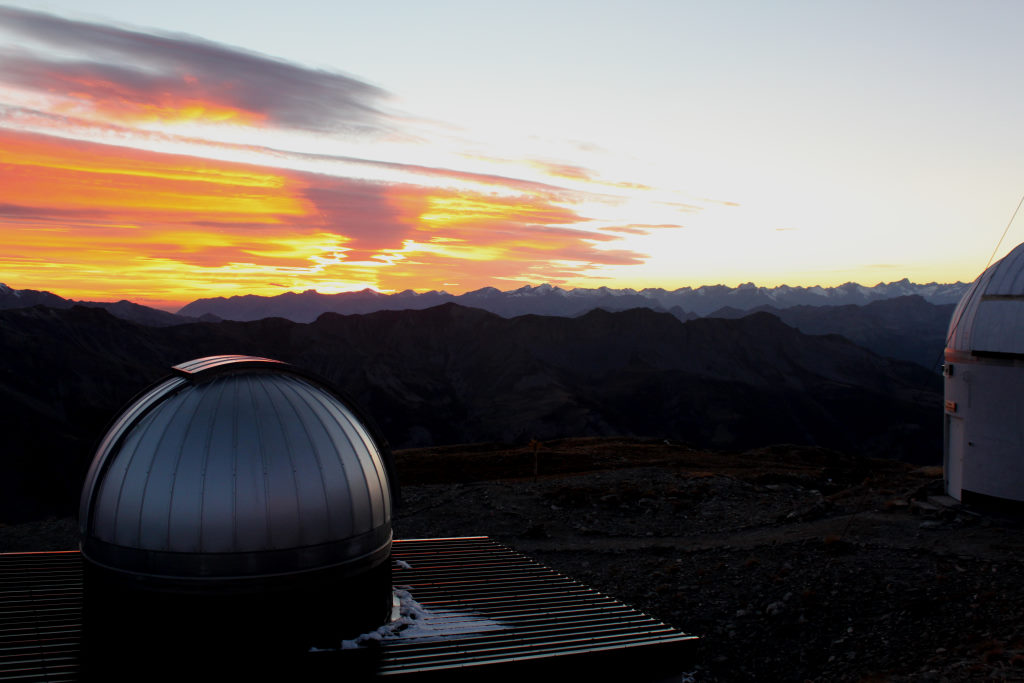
(451, 374)
(126, 310)
(907, 327)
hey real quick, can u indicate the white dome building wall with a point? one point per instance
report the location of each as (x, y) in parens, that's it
(985, 430)
(984, 386)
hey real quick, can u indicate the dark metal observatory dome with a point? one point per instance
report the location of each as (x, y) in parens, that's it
(243, 476)
(236, 467)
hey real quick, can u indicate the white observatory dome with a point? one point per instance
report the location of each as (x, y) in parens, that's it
(984, 378)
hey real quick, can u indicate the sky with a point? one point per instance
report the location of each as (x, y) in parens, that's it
(163, 152)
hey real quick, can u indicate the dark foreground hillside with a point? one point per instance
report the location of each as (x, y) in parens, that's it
(907, 327)
(458, 375)
(791, 563)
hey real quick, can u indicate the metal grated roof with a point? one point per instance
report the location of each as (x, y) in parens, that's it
(40, 616)
(486, 610)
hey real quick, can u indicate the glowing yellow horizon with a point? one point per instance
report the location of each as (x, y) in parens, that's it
(164, 168)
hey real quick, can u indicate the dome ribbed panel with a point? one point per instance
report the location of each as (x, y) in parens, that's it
(1008, 275)
(333, 503)
(304, 455)
(962, 323)
(161, 473)
(244, 462)
(346, 461)
(188, 485)
(990, 316)
(251, 521)
(129, 492)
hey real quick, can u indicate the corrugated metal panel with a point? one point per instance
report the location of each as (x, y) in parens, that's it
(40, 616)
(534, 616)
(990, 316)
(492, 613)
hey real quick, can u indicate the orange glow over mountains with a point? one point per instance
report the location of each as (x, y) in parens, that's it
(96, 221)
(160, 166)
(163, 167)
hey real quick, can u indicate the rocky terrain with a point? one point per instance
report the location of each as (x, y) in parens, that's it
(792, 563)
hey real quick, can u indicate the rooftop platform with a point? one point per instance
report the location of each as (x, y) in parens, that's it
(481, 611)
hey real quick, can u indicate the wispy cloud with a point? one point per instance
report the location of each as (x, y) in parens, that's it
(108, 211)
(92, 201)
(129, 75)
(640, 228)
(570, 171)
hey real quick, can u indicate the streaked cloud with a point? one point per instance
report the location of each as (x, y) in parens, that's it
(128, 76)
(93, 205)
(103, 212)
(61, 124)
(640, 228)
(55, 173)
(570, 171)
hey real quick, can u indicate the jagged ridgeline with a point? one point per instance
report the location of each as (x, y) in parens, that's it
(451, 374)
(900, 319)
(685, 303)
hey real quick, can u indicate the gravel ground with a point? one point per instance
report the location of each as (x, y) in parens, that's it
(791, 563)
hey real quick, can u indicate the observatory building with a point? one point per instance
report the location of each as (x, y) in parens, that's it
(243, 499)
(236, 523)
(984, 378)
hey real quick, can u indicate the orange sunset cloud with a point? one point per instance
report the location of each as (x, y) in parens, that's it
(162, 228)
(91, 219)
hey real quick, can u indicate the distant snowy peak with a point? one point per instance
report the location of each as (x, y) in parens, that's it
(528, 290)
(704, 300)
(547, 299)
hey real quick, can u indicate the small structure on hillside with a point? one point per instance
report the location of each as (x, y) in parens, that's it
(238, 501)
(984, 394)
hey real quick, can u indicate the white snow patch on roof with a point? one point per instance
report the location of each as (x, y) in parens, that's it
(418, 622)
